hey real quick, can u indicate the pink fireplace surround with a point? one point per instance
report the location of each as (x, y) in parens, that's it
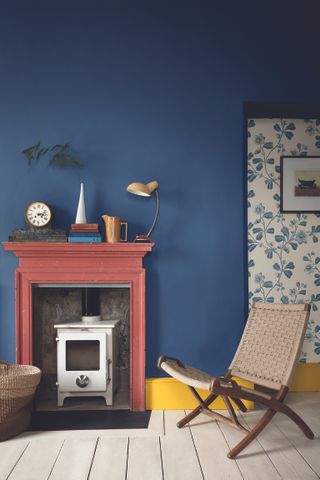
(45, 262)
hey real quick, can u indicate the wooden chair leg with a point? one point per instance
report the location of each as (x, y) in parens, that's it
(264, 420)
(239, 404)
(297, 420)
(230, 409)
(203, 405)
(189, 417)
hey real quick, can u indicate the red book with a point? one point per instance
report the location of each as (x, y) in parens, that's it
(85, 227)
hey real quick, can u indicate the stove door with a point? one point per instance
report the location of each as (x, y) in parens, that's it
(82, 362)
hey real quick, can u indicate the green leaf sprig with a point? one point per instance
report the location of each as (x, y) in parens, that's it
(58, 155)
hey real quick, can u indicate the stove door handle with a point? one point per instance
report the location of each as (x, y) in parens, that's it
(108, 370)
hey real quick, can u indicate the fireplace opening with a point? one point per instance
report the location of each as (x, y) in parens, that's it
(81, 342)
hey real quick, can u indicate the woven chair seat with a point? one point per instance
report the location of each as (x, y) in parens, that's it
(197, 378)
(188, 375)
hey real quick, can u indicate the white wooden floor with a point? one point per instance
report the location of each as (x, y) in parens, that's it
(163, 452)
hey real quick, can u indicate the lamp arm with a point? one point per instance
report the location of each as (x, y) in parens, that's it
(156, 214)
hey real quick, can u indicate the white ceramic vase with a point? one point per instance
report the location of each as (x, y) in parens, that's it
(81, 212)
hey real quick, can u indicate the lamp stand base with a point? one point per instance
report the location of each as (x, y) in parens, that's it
(142, 238)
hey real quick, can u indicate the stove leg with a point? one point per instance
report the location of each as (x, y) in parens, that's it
(60, 399)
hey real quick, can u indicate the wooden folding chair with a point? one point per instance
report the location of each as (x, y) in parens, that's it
(266, 356)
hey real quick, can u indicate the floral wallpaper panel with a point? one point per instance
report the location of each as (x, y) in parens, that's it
(283, 249)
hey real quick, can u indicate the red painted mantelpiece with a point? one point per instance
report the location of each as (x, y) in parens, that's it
(45, 262)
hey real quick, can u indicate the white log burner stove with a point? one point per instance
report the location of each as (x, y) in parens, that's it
(87, 360)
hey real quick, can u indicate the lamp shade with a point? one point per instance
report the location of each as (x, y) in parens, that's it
(142, 189)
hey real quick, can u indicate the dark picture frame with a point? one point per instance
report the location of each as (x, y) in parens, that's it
(300, 184)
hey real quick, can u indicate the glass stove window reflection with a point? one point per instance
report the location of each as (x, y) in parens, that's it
(82, 355)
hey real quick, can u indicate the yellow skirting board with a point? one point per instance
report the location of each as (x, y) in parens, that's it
(170, 394)
(307, 378)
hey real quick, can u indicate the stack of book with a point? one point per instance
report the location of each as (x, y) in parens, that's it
(84, 232)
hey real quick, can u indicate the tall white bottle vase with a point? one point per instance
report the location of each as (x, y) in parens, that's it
(81, 212)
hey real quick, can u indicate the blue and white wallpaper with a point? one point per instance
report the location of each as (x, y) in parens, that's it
(284, 249)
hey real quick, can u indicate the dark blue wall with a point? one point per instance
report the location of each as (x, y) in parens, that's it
(151, 90)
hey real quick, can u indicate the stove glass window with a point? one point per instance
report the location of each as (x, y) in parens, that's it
(82, 355)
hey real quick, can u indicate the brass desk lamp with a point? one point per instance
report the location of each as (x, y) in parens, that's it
(146, 190)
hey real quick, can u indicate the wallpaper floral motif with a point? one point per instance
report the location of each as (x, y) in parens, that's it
(283, 249)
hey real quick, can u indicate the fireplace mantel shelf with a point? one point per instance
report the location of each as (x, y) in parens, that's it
(72, 263)
(79, 255)
(78, 249)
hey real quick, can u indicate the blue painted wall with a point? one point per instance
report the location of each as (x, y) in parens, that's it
(151, 90)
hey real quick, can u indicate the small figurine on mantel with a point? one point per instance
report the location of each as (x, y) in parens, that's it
(81, 231)
(39, 228)
(81, 211)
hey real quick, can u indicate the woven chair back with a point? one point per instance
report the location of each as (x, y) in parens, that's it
(271, 343)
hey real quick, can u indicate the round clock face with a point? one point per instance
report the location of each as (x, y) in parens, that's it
(38, 214)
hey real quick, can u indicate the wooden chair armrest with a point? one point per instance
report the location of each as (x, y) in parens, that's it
(216, 382)
(164, 358)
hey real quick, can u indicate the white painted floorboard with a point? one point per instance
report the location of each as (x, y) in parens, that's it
(110, 460)
(10, 454)
(144, 459)
(164, 452)
(37, 461)
(212, 450)
(284, 456)
(309, 451)
(253, 461)
(180, 460)
(75, 459)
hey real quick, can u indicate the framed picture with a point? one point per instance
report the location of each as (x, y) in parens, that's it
(300, 184)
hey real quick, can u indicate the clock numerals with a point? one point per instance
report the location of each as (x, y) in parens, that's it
(38, 214)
